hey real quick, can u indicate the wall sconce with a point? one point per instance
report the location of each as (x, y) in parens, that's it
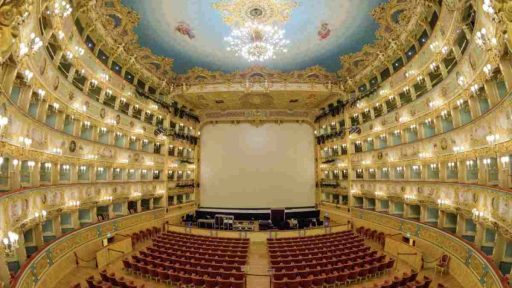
(410, 197)
(34, 44)
(93, 83)
(445, 114)
(487, 7)
(487, 162)
(475, 88)
(492, 138)
(470, 163)
(458, 149)
(47, 166)
(82, 169)
(40, 216)
(413, 127)
(122, 100)
(79, 50)
(461, 80)
(136, 194)
(3, 122)
(477, 214)
(103, 130)
(385, 169)
(68, 55)
(27, 75)
(434, 67)
(483, 40)
(415, 167)
(397, 132)
(111, 122)
(104, 77)
(488, 70)
(428, 121)
(31, 165)
(443, 203)
(87, 124)
(40, 92)
(10, 242)
(107, 199)
(460, 102)
(451, 165)
(73, 204)
(25, 141)
(504, 160)
(60, 8)
(433, 167)
(101, 169)
(399, 169)
(65, 167)
(380, 194)
(108, 93)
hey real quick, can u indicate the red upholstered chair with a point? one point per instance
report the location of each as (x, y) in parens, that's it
(390, 264)
(198, 281)
(237, 284)
(127, 266)
(174, 278)
(319, 281)
(185, 280)
(211, 283)
(352, 276)
(440, 285)
(164, 276)
(330, 280)
(277, 284)
(427, 280)
(77, 285)
(341, 279)
(442, 265)
(306, 282)
(224, 283)
(363, 273)
(153, 273)
(293, 283)
(90, 281)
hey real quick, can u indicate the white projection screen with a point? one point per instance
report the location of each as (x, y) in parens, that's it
(267, 166)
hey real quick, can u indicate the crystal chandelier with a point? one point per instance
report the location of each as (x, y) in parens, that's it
(257, 42)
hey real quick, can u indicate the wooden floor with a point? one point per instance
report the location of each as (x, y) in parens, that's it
(258, 265)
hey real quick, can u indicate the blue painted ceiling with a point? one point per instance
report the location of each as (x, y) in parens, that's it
(192, 33)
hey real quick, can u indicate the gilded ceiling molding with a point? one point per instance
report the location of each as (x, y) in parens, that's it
(12, 17)
(239, 12)
(114, 23)
(256, 117)
(391, 36)
(504, 11)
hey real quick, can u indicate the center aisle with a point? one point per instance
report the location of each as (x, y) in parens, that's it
(258, 265)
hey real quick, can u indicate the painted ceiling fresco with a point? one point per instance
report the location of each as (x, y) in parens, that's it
(192, 33)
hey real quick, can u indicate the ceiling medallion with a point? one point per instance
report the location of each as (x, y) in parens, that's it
(256, 34)
(237, 13)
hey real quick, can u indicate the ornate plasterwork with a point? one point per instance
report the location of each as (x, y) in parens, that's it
(114, 23)
(394, 19)
(257, 117)
(239, 12)
(12, 16)
(391, 35)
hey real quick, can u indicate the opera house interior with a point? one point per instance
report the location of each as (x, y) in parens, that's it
(255, 143)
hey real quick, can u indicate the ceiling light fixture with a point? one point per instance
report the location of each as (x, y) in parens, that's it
(257, 42)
